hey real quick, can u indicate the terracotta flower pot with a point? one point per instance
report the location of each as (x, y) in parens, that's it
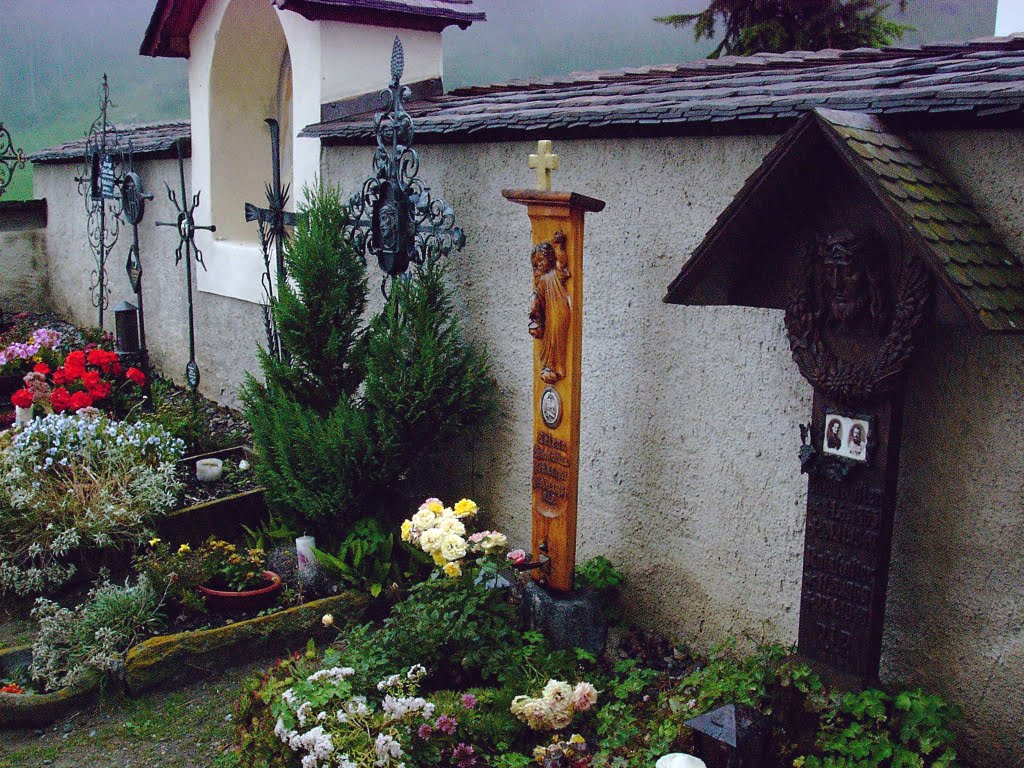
(247, 600)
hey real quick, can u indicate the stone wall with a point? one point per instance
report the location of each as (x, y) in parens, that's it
(689, 476)
(24, 282)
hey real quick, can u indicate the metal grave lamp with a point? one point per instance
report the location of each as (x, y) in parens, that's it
(126, 327)
(395, 219)
(731, 737)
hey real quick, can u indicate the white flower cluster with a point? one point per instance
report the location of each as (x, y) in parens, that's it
(555, 708)
(334, 674)
(440, 531)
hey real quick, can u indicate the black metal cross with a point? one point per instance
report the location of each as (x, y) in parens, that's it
(187, 227)
(272, 221)
(133, 202)
(11, 159)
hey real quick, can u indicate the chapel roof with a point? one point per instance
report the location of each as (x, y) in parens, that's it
(983, 278)
(149, 140)
(172, 20)
(948, 83)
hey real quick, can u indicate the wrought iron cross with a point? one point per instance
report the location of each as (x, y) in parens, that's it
(133, 202)
(394, 216)
(272, 221)
(186, 226)
(98, 185)
(11, 159)
(544, 162)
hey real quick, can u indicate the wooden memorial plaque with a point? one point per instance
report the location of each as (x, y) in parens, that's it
(555, 323)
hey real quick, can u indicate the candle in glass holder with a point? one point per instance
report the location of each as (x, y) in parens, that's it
(22, 416)
(209, 470)
(306, 559)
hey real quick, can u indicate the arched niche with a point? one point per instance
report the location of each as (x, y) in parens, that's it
(250, 80)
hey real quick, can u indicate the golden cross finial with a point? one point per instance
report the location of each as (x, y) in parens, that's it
(544, 162)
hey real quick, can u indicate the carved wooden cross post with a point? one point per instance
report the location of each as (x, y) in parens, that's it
(556, 325)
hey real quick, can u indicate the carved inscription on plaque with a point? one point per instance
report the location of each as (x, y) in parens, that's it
(551, 468)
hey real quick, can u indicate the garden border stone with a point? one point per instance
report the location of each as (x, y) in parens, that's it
(187, 655)
(30, 710)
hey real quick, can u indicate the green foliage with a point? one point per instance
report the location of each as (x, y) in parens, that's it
(349, 411)
(792, 25)
(599, 574)
(425, 385)
(77, 647)
(365, 558)
(871, 729)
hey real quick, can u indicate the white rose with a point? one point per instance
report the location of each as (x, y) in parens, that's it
(584, 696)
(557, 692)
(431, 540)
(495, 542)
(452, 525)
(423, 519)
(453, 547)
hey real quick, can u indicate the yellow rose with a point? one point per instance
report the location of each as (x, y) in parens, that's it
(465, 508)
(453, 570)
(183, 550)
(439, 558)
(154, 541)
(434, 505)
(407, 530)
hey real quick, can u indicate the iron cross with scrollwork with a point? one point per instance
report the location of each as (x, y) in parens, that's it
(394, 216)
(11, 159)
(186, 226)
(133, 204)
(272, 221)
(98, 185)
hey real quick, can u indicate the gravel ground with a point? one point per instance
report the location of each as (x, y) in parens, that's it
(183, 728)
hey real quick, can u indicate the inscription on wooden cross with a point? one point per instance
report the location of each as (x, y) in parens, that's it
(555, 323)
(852, 318)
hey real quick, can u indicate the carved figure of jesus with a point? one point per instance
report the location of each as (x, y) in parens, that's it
(550, 308)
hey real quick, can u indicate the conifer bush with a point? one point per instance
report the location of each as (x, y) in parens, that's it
(354, 404)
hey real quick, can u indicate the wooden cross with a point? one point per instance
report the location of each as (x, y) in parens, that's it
(544, 162)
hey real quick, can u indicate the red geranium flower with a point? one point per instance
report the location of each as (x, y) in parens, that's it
(90, 379)
(100, 390)
(81, 400)
(60, 399)
(42, 368)
(75, 359)
(134, 374)
(22, 398)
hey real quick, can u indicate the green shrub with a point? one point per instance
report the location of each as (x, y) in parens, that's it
(75, 648)
(74, 484)
(349, 410)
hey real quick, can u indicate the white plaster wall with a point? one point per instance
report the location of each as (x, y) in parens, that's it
(357, 58)
(1009, 17)
(24, 281)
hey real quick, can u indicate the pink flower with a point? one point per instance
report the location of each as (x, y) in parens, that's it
(425, 732)
(584, 696)
(517, 556)
(446, 724)
(463, 756)
(469, 701)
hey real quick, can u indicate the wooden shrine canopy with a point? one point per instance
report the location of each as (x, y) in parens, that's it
(742, 259)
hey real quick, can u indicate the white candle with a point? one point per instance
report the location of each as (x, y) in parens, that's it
(307, 560)
(679, 760)
(22, 416)
(209, 470)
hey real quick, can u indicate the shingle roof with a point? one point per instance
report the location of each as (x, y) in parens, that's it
(765, 93)
(151, 140)
(172, 20)
(982, 277)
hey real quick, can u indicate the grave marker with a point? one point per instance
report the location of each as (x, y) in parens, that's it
(555, 321)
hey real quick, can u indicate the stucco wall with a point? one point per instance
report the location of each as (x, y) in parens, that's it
(228, 331)
(689, 476)
(24, 282)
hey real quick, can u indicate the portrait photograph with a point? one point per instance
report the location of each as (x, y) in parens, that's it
(846, 437)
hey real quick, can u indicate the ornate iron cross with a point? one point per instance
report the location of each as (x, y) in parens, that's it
(133, 201)
(11, 159)
(272, 221)
(186, 226)
(394, 216)
(98, 185)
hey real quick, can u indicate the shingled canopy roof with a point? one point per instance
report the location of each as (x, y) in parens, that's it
(761, 93)
(148, 141)
(172, 20)
(983, 279)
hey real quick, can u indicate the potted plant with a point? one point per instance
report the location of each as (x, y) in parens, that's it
(237, 581)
